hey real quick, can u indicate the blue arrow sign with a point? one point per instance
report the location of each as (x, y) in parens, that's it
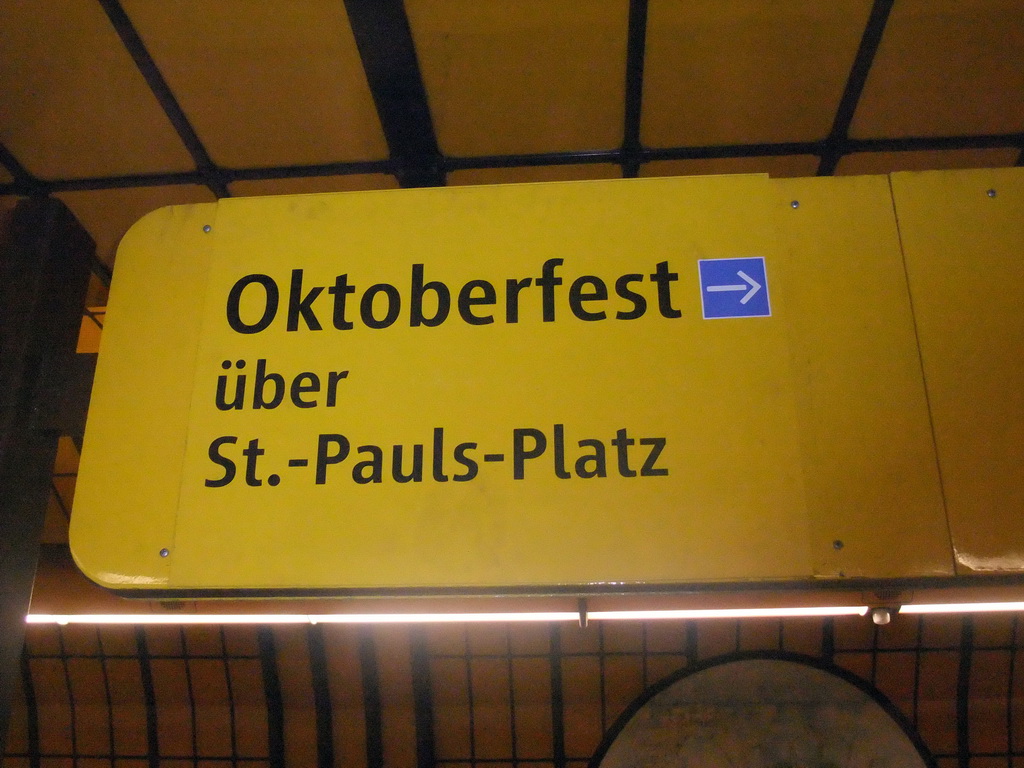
(734, 287)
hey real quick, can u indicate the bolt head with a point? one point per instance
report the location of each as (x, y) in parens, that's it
(837, 544)
(165, 552)
(991, 193)
(207, 228)
(795, 204)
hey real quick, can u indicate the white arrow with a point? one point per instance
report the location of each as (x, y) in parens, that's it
(751, 287)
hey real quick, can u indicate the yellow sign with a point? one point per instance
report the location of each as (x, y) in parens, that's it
(569, 386)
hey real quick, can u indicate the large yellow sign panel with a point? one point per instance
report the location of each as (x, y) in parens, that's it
(963, 239)
(543, 386)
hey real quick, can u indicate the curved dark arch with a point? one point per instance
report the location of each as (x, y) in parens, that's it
(810, 661)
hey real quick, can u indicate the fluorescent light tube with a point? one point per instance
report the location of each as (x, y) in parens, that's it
(961, 607)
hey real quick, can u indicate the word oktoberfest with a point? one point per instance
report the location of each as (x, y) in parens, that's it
(380, 305)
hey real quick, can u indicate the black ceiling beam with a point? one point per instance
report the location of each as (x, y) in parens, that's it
(23, 180)
(614, 156)
(211, 174)
(836, 142)
(320, 675)
(373, 719)
(385, 44)
(963, 692)
(272, 695)
(636, 42)
(916, 143)
(31, 711)
(149, 695)
(423, 699)
(306, 171)
(227, 175)
(557, 696)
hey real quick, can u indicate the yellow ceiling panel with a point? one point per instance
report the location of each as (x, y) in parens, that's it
(742, 71)
(313, 185)
(96, 295)
(108, 213)
(66, 462)
(775, 166)
(889, 162)
(72, 102)
(519, 76)
(529, 173)
(265, 83)
(946, 68)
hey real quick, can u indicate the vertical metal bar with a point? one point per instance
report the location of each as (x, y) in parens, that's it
(106, 692)
(636, 43)
(510, 666)
(272, 693)
(828, 640)
(193, 720)
(321, 696)
(873, 31)
(470, 699)
(601, 674)
(31, 712)
(917, 669)
(423, 699)
(232, 721)
(557, 697)
(384, 39)
(44, 271)
(1009, 691)
(71, 695)
(147, 67)
(963, 693)
(371, 698)
(874, 654)
(692, 645)
(643, 654)
(146, 676)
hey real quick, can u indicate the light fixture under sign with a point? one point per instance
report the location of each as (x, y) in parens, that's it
(440, 618)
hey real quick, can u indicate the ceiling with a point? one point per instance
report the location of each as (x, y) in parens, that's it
(122, 106)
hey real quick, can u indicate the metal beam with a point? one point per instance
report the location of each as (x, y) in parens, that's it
(209, 171)
(423, 699)
(272, 694)
(828, 640)
(615, 156)
(22, 178)
(835, 144)
(963, 692)
(149, 694)
(636, 43)
(385, 44)
(44, 271)
(31, 713)
(557, 697)
(372, 713)
(321, 696)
